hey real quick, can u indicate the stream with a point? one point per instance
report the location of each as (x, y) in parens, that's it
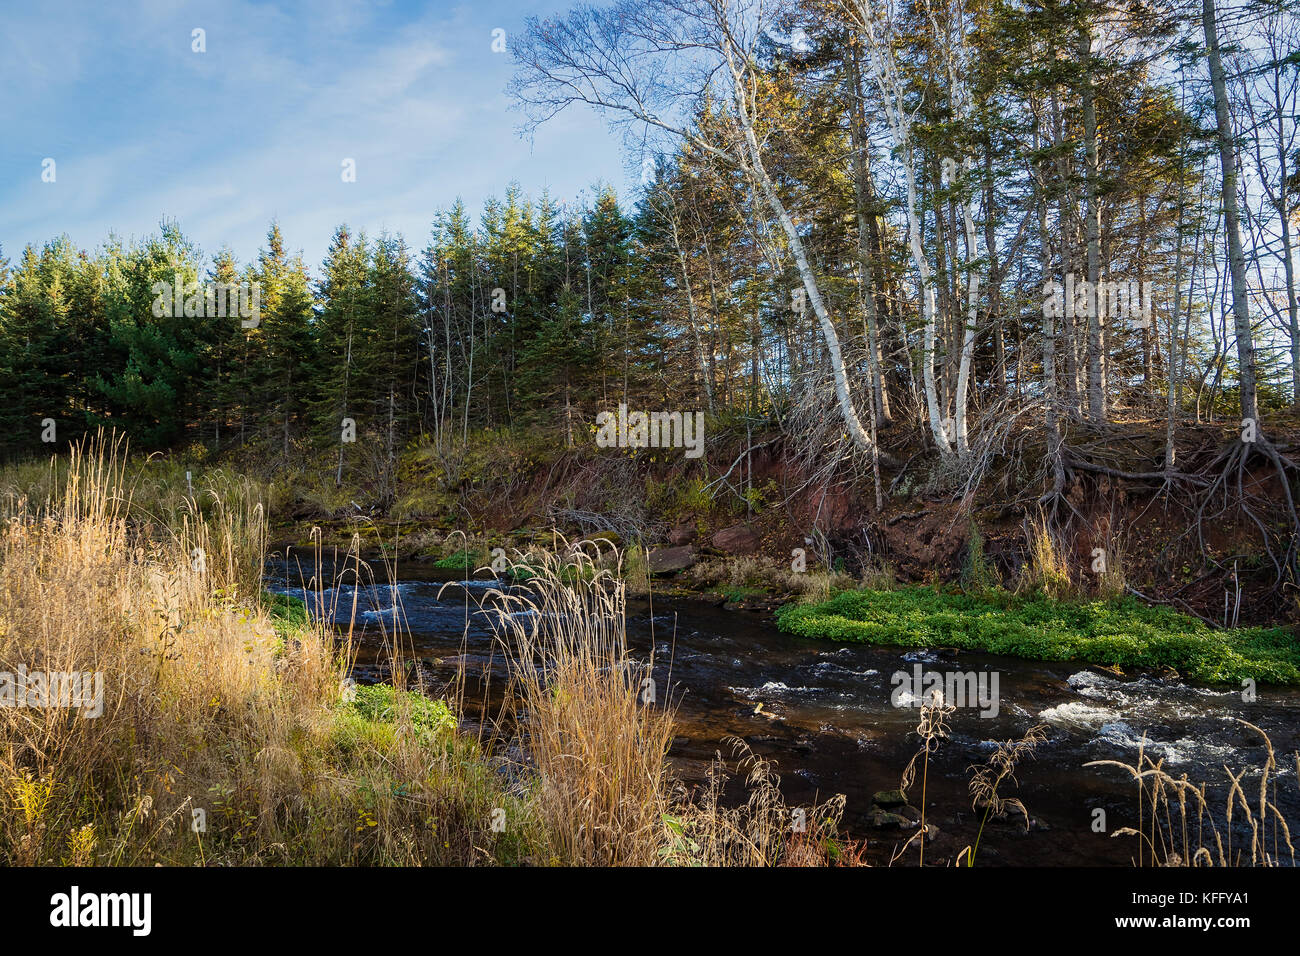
(824, 714)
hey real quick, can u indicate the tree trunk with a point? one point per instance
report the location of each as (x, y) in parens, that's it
(1096, 379)
(691, 311)
(1232, 225)
(1288, 262)
(900, 125)
(864, 201)
(1050, 392)
(843, 389)
(972, 305)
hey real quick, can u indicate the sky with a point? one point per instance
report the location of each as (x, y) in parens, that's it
(141, 127)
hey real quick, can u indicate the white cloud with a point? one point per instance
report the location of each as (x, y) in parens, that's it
(256, 127)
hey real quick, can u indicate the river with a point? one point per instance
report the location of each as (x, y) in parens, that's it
(823, 713)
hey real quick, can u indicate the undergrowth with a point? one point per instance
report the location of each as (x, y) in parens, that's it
(1121, 632)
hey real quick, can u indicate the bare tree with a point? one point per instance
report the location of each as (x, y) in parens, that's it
(864, 203)
(672, 218)
(1092, 220)
(1270, 100)
(877, 26)
(957, 68)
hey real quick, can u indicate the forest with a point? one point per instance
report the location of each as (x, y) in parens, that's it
(853, 233)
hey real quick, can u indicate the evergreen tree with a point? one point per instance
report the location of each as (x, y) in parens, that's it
(341, 326)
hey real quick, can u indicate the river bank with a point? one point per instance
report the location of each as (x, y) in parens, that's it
(599, 725)
(825, 715)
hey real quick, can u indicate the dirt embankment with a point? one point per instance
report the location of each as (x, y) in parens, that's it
(1171, 542)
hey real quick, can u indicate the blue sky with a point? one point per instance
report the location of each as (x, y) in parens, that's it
(141, 127)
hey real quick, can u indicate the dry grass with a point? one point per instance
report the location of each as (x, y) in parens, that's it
(593, 722)
(989, 780)
(209, 702)
(878, 575)
(1048, 570)
(987, 783)
(81, 591)
(762, 831)
(1177, 826)
(932, 727)
(745, 573)
(217, 700)
(1112, 582)
(596, 728)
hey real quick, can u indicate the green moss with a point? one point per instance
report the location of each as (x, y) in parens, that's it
(464, 560)
(1122, 632)
(370, 719)
(520, 572)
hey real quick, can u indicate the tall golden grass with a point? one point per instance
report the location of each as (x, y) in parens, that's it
(1177, 826)
(764, 830)
(1047, 570)
(214, 701)
(596, 724)
(210, 703)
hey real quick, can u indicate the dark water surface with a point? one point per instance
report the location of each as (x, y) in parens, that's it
(823, 713)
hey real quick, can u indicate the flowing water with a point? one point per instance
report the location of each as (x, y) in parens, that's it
(825, 714)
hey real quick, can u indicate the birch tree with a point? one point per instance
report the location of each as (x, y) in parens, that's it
(1231, 217)
(877, 26)
(1270, 101)
(656, 63)
(957, 68)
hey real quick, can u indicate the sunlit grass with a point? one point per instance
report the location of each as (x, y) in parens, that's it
(228, 735)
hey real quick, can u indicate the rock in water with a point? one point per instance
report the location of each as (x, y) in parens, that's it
(883, 820)
(889, 799)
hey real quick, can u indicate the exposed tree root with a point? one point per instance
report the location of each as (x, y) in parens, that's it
(1228, 470)
(1215, 492)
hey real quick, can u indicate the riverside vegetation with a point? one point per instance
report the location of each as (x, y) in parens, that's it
(225, 699)
(221, 698)
(846, 259)
(1120, 632)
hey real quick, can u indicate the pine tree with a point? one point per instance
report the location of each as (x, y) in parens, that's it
(285, 326)
(389, 352)
(340, 327)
